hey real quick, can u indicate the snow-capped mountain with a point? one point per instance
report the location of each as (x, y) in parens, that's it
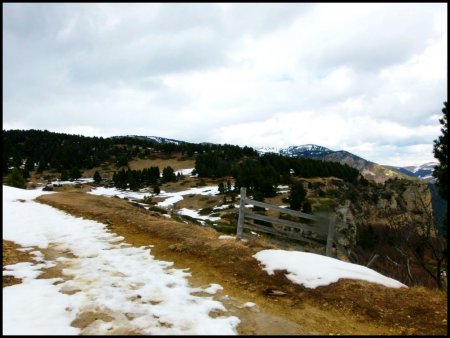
(368, 169)
(318, 152)
(306, 150)
(157, 139)
(264, 150)
(423, 171)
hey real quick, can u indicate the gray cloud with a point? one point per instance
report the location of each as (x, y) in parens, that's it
(341, 75)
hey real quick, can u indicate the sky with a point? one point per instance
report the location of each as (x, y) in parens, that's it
(369, 78)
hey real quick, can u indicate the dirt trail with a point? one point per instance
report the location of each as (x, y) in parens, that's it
(346, 307)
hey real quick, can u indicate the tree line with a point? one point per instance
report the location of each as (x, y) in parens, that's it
(44, 150)
(264, 173)
(137, 179)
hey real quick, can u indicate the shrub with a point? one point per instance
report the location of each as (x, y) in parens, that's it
(206, 211)
(15, 179)
(157, 209)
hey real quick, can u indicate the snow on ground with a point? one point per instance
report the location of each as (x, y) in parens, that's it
(313, 270)
(226, 237)
(248, 304)
(174, 197)
(195, 214)
(227, 206)
(138, 292)
(79, 181)
(171, 197)
(170, 201)
(120, 193)
(213, 288)
(184, 172)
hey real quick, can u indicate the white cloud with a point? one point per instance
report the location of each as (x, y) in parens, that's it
(250, 74)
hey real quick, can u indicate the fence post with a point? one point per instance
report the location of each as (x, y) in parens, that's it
(330, 237)
(240, 225)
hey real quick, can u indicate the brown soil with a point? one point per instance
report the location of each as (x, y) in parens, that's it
(346, 307)
(11, 255)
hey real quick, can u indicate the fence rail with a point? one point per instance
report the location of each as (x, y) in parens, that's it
(243, 213)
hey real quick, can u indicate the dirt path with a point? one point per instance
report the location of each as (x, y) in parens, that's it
(346, 307)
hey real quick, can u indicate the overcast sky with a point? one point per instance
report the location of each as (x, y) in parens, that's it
(367, 78)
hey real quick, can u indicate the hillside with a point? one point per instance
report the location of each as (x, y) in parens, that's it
(43, 150)
(370, 170)
(184, 179)
(281, 306)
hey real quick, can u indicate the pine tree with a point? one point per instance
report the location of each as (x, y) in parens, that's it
(97, 177)
(26, 174)
(297, 196)
(64, 175)
(15, 179)
(169, 174)
(75, 174)
(221, 188)
(440, 151)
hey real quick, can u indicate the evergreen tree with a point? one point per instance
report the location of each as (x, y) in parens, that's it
(156, 190)
(97, 177)
(26, 174)
(258, 196)
(42, 165)
(29, 165)
(132, 180)
(221, 188)
(297, 195)
(169, 174)
(15, 179)
(75, 174)
(122, 160)
(440, 151)
(64, 175)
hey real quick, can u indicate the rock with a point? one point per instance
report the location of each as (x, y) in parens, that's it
(273, 292)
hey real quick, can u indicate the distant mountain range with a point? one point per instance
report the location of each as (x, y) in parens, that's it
(423, 172)
(369, 170)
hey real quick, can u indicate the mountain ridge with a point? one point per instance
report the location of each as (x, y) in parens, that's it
(370, 170)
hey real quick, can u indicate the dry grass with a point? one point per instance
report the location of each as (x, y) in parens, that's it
(415, 310)
(346, 307)
(196, 202)
(176, 162)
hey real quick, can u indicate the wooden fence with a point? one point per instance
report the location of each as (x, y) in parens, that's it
(243, 213)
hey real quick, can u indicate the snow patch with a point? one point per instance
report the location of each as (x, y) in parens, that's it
(248, 304)
(105, 274)
(226, 237)
(195, 214)
(313, 270)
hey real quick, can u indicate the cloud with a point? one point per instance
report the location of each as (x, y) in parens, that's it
(338, 75)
